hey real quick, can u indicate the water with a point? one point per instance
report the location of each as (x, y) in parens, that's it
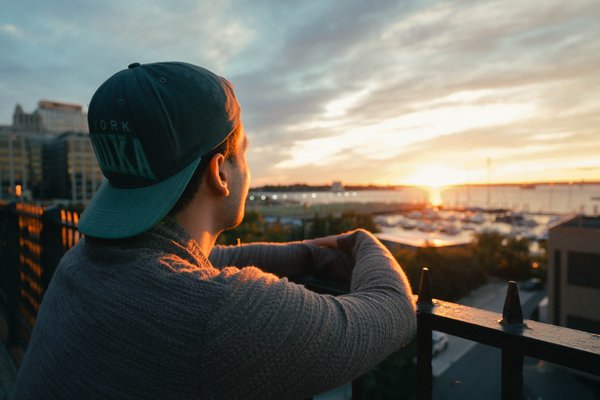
(542, 198)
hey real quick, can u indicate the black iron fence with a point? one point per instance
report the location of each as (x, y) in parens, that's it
(34, 238)
(515, 337)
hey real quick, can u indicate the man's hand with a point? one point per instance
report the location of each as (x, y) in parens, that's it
(344, 242)
(327, 241)
(338, 262)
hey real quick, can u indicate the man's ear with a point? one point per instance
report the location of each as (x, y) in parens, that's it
(217, 174)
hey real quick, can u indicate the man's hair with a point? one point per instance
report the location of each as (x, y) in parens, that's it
(227, 148)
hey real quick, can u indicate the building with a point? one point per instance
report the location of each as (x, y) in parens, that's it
(55, 132)
(337, 186)
(21, 163)
(52, 117)
(70, 168)
(574, 273)
(13, 163)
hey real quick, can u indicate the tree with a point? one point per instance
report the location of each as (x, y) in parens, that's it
(515, 262)
(254, 228)
(453, 271)
(347, 221)
(505, 257)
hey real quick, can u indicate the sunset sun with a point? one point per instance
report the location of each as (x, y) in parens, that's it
(434, 178)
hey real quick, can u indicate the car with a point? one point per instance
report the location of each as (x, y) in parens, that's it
(439, 341)
(532, 284)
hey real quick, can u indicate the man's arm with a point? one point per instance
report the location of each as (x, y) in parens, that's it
(289, 342)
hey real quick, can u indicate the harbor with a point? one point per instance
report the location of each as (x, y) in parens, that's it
(433, 227)
(419, 217)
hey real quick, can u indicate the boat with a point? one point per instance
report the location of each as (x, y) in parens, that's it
(425, 227)
(408, 224)
(384, 221)
(449, 229)
(452, 218)
(527, 186)
(518, 219)
(414, 214)
(468, 227)
(477, 219)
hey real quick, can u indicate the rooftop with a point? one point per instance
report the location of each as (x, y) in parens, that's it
(415, 239)
(56, 105)
(579, 221)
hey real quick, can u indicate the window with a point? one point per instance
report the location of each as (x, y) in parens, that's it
(584, 269)
(557, 294)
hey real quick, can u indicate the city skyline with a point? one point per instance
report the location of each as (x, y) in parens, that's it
(421, 94)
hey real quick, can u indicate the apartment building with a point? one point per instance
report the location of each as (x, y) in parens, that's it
(47, 154)
(574, 273)
(70, 168)
(52, 117)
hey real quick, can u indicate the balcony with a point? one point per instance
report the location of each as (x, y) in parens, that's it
(34, 238)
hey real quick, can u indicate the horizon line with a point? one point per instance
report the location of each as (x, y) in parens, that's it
(366, 185)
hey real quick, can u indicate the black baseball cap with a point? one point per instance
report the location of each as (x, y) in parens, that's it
(150, 125)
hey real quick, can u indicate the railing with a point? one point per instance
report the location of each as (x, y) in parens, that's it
(508, 332)
(516, 338)
(35, 238)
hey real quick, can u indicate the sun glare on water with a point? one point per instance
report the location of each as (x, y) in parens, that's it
(434, 179)
(435, 196)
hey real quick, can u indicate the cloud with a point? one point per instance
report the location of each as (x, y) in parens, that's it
(380, 88)
(485, 49)
(11, 30)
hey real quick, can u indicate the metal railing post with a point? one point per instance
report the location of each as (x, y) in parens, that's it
(358, 388)
(512, 359)
(52, 249)
(424, 356)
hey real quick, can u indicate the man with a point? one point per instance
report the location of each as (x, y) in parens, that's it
(137, 310)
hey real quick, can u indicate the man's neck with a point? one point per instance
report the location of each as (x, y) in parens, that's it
(204, 235)
(206, 241)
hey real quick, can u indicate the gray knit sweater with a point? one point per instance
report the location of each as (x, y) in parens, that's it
(152, 318)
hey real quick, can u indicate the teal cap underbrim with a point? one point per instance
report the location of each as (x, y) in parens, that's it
(115, 213)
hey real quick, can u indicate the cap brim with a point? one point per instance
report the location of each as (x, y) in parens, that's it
(119, 213)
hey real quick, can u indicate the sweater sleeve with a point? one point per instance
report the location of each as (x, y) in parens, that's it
(286, 259)
(297, 343)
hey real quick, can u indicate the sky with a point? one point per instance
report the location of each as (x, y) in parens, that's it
(386, 92)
